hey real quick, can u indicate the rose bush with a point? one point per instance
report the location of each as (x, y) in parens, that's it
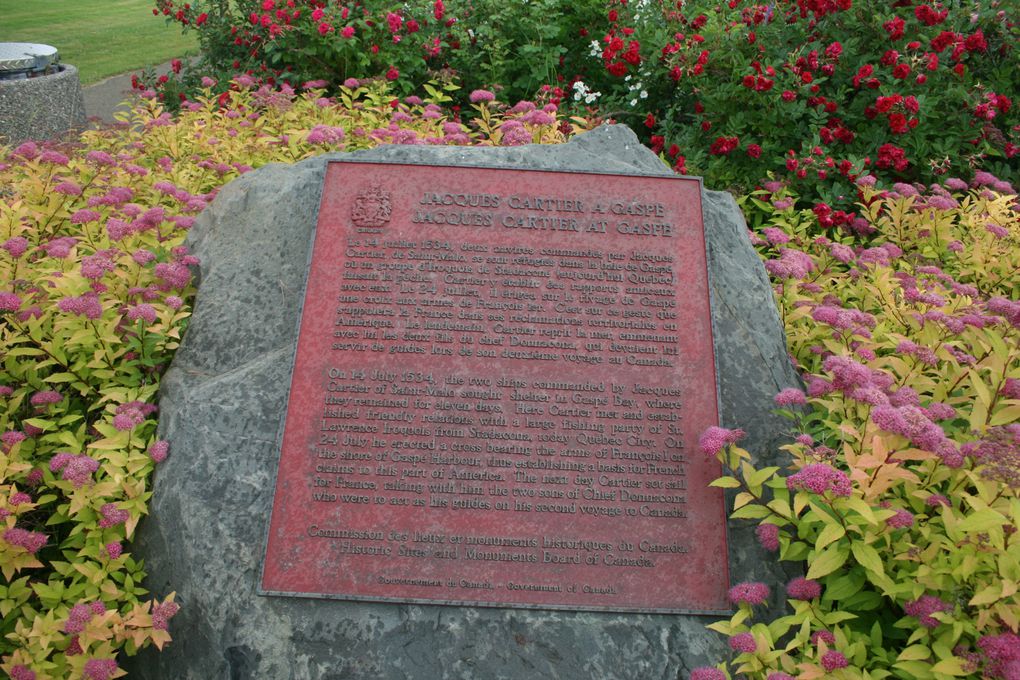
(816, 92)
(482, 43)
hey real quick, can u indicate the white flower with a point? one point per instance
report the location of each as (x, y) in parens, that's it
(644, 94)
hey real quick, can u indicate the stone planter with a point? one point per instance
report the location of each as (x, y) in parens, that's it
(42, 106)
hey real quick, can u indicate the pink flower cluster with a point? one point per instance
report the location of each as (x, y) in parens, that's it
(998, 454)
(143, 311)
(820, 478)
(81, 614)
(97, 265)
(714, 439)
(790, 396)
(75, 469)
(9, 439)
(916, 425)
(802, 588)
(112, 516)
(841, 318)
(131, 414)
(833, 660)
(743, 642)
(752, 592)
(15, 246)
(162, 613)
(901, 520)
(9, 302)
(924, 607)
(31, 541)
(792, 264)
(707, 673)
(825, 636)
(99, 669)
(159, 450)
(20, 672)
(46, 397)
(1002, 654)
(86, 305)
(768, 536)
(325, 134)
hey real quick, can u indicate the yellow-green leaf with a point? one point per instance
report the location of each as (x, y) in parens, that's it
(983, 520)
(867, 557)
(862, 508)
(951, 666)
(914, 653)
(987, 595)
(828, 561)
(831, 532)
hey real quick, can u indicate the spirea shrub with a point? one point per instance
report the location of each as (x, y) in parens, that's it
(96, 291)
(902, 498)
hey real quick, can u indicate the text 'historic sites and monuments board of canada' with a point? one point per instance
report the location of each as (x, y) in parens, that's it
(499, 383)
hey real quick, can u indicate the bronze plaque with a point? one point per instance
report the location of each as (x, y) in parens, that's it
(500, 379)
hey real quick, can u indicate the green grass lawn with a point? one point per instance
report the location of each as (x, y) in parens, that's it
(100, 37)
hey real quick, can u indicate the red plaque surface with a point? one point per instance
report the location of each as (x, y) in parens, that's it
(500, 380)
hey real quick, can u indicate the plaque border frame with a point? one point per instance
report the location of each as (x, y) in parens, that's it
(264, 546)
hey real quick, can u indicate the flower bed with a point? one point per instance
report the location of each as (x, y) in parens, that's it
(902, 497)
(97, 293)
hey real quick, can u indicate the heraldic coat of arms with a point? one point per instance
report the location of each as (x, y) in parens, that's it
(371, 207)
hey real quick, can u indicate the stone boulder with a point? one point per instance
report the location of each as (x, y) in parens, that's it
(221, 409)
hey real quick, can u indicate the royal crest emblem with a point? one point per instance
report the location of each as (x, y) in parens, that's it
(372, 207)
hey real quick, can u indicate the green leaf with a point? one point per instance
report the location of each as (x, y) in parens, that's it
(867, 557)
(751, 511)
(828, 561)
(758, 478)
(862, 508)
(987, 595)
(951, 666)
(838, 588)
(797, 551)
(60, 378)
(831, 532)
(832, 618)
(915, 669)
(914, 653)
(983, 520)
(39, 423)
(726, 483)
